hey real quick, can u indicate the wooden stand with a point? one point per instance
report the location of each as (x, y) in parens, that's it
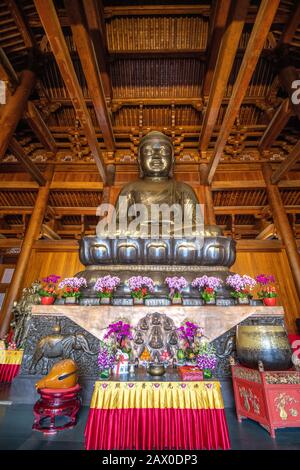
(272, 398)
(53, 403)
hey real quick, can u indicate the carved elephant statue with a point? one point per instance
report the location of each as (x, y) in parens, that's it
(58, 346)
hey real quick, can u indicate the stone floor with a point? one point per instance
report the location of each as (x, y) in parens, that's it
(16, 433)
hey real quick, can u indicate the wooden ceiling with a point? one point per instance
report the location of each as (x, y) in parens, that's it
(123, 68)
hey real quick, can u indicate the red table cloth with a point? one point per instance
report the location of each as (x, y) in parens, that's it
(157, 415)
(10, 362)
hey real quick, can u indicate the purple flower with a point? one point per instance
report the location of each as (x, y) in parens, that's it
(108, 283)
(51, 279)
(207, 281)
(189, 330)
(73, 283)
(138, 282)
(239, 283)
(106, 358)
(176, 283)
(265, 279)
(206, 358)
(119, 331)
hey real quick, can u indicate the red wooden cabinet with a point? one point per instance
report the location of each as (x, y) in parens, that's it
(272, 398)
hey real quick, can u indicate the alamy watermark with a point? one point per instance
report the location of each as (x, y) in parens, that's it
(150, 221)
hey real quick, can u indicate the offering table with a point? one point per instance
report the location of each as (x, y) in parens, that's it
(158, 415)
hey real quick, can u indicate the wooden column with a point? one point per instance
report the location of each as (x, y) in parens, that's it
(14, 109)
(283, 225)
(209, 216)
(31, 235)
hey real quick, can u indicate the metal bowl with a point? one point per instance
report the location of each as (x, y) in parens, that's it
(156, 370)
(265, 343)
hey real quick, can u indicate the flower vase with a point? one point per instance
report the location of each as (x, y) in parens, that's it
(47, 300)
(176, 300)
(71, 300)
(269, 301)
(105, 374)
(105, 300)
(243, 300)
(207, 374)
(138, 301)
(210, 301)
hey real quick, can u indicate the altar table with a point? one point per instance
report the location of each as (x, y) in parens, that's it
(10, 362)
(156, 416)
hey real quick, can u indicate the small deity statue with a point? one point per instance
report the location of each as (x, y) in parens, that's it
(138, 339)
(156, 339)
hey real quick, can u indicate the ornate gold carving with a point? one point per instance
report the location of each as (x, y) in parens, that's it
(281, 402)
(251, 375)
(250, 399)
(282, 377)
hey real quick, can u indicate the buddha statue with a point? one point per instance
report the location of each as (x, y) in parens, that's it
(157, 230)
(156, 189)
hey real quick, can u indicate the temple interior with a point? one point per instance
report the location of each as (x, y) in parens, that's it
(149, 224)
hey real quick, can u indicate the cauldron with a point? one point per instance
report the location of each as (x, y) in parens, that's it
(156, 369)
(265, 343)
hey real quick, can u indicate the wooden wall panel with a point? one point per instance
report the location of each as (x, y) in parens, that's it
(66, 264)
(275, 263)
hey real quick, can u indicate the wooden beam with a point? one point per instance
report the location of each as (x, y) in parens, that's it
(14, 109)
(31, 235)
(20, 22)
(37, 124)
(25, 161)
(287, 164)
(95, 20)
(277, 123)
(283, 226)
(261, 27)
(217, 25)
(76, 185)
(267, 232)
(90, 69)
(7, 71)
(50, 22)
(222, 68)
(287, 75)
(291, 26)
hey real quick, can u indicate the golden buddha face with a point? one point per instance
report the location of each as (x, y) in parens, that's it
(156, 155)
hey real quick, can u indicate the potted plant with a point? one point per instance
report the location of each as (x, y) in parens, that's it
(119, 335)
(175, 285)
(206, 359)
(207, 286)
(189, 335)
(71, 288)
(105, 287)
(241, 287)
(106, 360)
(267, 292)
(140, 287)
(48, 291)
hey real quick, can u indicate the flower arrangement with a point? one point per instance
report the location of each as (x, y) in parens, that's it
(71, 286)
(106, 285)
(241, 285)
(207, 286)
(49, 286)
(190, 335)
(267, 292)
(119, 333)
(175, 285)
(265, 282)
(140, 286)
(206, 358)
(106, 359)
